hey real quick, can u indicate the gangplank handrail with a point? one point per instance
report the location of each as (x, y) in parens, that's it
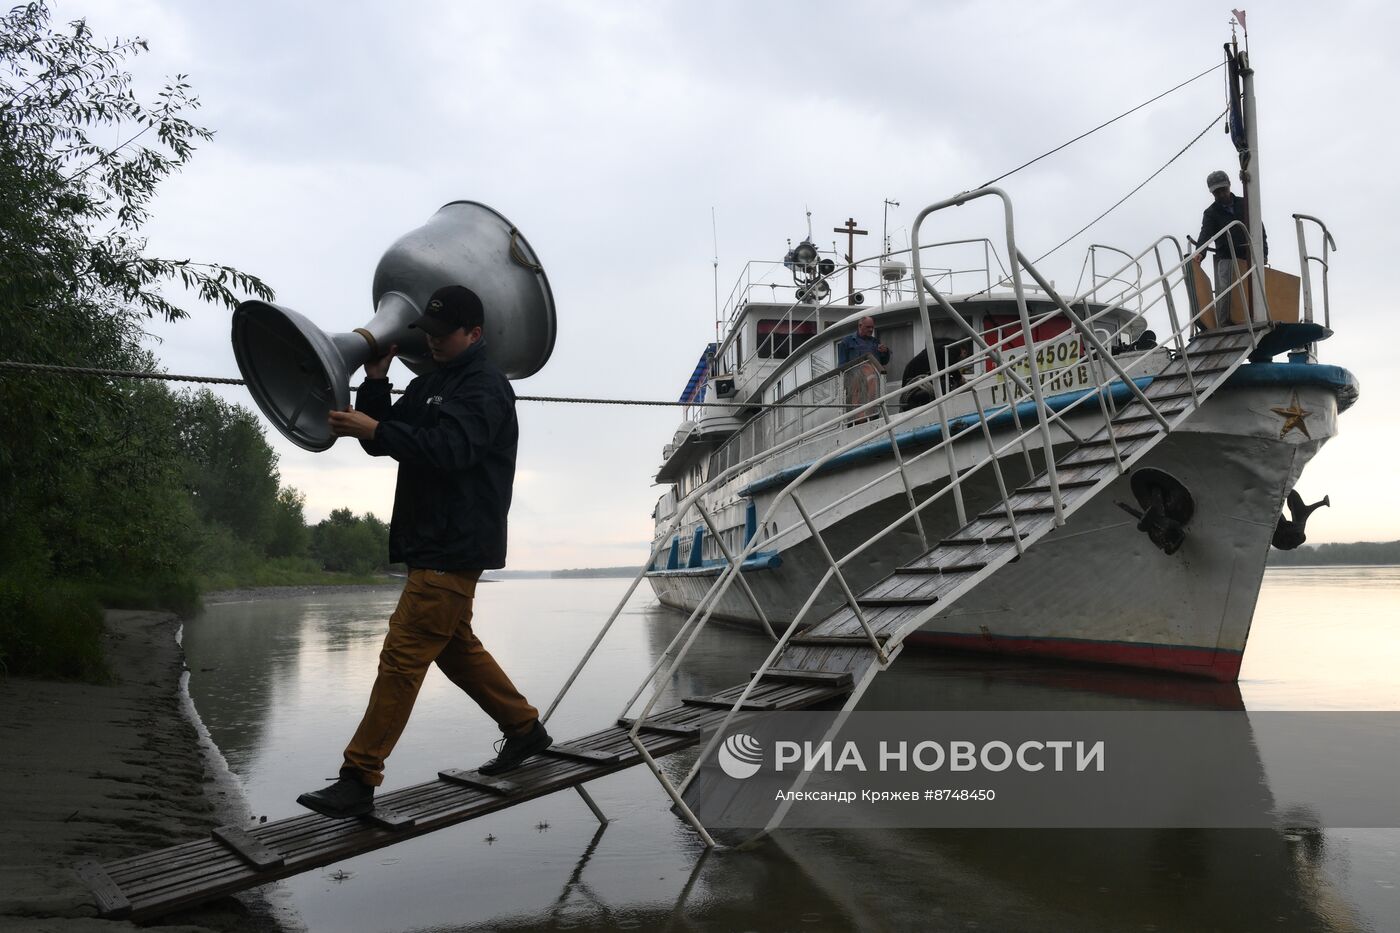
(684, 506)
(720, 586)
(702, 613)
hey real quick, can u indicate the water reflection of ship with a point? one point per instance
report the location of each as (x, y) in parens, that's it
(1084, 879)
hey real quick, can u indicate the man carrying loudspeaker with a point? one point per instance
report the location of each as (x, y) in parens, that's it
(454, 436)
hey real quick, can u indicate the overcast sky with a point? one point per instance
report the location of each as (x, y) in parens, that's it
(608, 131)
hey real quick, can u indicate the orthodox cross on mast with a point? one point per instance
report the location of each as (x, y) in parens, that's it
(849, 228)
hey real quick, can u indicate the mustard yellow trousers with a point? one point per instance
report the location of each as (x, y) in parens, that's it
(432, 623)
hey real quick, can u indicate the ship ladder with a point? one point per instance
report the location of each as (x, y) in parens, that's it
(861, 639)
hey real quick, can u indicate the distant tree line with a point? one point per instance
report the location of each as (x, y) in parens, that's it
(580, 573)
(589, 572)
(1360, 552)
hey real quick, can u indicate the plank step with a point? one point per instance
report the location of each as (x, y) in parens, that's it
(247, 848)
(1088, 462)
(834, 641)
(482, 782)
(823, 678)
(589, 755)
(752, 706)
(891, 602)
(1195, 371)
(1120, 438)
(1000, 511)
(679, 730)
(1167, 396)
(111, 902)
(956, 568)
(1148, 416)
(1218, 350)
(1064, 484)
(389, 818)
(988, 539)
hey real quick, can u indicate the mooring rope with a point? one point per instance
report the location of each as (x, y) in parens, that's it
(559, 399)
(1125, 113)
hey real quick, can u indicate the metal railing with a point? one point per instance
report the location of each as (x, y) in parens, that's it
(1131, 286)
(989, 361)
(1305, 260)
(801, 312)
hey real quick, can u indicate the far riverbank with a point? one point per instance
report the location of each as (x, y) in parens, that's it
(251, 593)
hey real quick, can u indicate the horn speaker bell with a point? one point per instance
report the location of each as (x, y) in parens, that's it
(297, 373)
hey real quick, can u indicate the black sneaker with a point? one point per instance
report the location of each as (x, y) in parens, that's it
(513, 750)
(346, 797)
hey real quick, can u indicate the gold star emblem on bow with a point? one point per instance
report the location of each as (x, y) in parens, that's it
(1293, 417)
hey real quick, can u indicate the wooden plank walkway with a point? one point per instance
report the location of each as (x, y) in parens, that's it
(234, 858)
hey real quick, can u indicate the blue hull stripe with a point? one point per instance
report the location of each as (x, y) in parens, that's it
(932, 434)
(1292, 375)
(759, 560)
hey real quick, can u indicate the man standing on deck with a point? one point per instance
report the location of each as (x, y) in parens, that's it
(1233, 246)
(863, 341)
(862, 381)
(454, 435)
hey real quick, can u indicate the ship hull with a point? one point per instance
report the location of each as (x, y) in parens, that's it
(1095, 590)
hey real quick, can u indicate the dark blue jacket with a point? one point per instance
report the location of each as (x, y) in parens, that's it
(854, 346)
(1216, 218)
(454, 435)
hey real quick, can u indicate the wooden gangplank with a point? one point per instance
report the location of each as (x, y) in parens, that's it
(235, 858)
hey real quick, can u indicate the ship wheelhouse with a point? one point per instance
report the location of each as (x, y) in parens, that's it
(776, 373)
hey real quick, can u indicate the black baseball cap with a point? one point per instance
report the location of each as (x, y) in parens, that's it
(449, 308)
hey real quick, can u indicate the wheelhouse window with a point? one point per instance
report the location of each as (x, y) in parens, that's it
(778, 338)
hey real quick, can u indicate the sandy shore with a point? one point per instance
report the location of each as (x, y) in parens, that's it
(110, 771)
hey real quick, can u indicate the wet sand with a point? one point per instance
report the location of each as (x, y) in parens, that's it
(107, 771)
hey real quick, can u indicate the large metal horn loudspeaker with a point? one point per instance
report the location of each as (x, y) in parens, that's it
(298, 373)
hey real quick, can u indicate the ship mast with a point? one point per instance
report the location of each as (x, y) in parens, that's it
(1251, 189)
(1249, 170)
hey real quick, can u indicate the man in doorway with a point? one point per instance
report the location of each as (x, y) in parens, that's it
(454, 436)
(862, 380)
(1229, 249)
(863, 341)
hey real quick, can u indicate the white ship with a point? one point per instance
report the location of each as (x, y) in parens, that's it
(1095, 475)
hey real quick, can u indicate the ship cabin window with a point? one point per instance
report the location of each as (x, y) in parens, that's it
(733, 355)
(778, 338)
(691, 479)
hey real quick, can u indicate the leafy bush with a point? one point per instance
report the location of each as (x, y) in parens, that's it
(50, 631)
(349, 543)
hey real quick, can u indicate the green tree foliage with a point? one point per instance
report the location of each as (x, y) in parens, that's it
(91, 480)
(290, 536)
(116, 492)
(231, 472)
(348, 543)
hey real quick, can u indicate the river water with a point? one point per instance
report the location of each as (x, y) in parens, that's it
(281, 684)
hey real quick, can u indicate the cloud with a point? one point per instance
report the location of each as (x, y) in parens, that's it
(609, 131)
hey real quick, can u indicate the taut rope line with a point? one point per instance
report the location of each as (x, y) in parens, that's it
(219, 380)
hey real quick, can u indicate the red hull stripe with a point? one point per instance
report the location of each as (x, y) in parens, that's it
(1198, 662)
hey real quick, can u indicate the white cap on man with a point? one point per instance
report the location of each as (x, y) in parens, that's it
(1217, 180)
